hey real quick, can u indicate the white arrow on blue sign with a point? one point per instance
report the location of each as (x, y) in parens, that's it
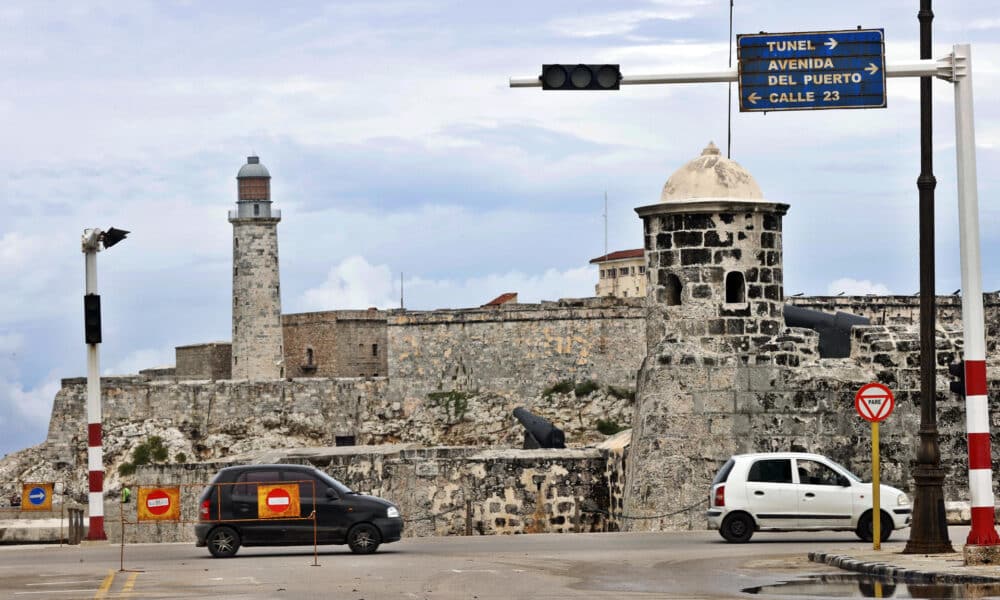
(812, 70)
(37, 496)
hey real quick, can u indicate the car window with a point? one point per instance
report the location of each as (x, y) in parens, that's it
(308, 484)
(246, 483)
(812, 472)
(771, 470)
(723, 473)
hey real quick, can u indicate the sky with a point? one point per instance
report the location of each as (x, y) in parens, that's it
(398, 149)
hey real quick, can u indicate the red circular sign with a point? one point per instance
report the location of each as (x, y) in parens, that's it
(874, 402)
(158, 502)
(278, 500)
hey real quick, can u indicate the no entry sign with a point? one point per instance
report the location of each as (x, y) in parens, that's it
(281, 500)
(159, 503)
(874, 402)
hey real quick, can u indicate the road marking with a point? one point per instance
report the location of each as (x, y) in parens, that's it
(105, 585)
(60, 582)
(127, 588)
(54, 592)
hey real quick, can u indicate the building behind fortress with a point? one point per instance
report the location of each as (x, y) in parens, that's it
(702, 367)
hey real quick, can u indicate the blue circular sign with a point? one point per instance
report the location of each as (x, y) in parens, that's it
(37, 496)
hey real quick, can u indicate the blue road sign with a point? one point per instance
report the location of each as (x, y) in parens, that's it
(37, 496)
(812, 70)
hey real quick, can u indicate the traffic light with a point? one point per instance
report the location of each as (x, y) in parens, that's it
(957, 371)
(92, 318)
(581, 77)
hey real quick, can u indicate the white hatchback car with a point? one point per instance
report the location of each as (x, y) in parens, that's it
(795, 491)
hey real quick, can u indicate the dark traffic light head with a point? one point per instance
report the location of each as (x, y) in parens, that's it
(581, 77)
(957, 370)
(112, 236)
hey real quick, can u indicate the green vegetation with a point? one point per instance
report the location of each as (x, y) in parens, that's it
(150, 451)
(585, 388)
(563, 387)
(180, 458)
(455, 403)
(608, 427)
(621, 393)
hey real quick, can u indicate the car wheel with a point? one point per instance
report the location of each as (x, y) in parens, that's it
(364, 538)
(865, 527)
(223, 542)
(737, 527)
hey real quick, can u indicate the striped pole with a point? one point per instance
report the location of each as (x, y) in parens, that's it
(977, 420)
(95, 457)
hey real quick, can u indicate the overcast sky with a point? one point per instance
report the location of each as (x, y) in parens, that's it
(396, 146)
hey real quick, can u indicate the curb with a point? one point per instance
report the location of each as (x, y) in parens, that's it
(893, 573)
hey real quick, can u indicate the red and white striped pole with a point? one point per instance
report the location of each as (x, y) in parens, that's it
(977, 420)
(95, 455)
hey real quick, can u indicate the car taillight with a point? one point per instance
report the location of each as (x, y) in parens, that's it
(720, 496)
(205, 510)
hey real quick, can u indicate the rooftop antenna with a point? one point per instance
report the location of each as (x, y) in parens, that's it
(729, 111)
(401, 290)
(605, 224)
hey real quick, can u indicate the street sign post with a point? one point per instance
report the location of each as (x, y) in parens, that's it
(875, 402)
(811, 70)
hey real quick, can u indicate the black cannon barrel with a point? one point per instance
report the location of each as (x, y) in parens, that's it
(538, 432)
(834, 330)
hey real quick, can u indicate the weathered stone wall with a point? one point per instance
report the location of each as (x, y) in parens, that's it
(440, 491)
(697, 409)
(343, 343)
(204, 361)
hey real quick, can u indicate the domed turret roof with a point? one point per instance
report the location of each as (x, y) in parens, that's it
(711, 176)
(253, 168)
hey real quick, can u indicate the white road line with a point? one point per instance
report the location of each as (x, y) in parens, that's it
(86, 591)
(63, 582)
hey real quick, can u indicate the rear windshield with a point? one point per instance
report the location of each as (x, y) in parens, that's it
(723, 473)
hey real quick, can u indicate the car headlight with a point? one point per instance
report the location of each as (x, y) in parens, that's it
(903, 500)
(392, 512)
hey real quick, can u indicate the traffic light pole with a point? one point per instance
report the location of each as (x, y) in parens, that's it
(95, 455)
(957, 69)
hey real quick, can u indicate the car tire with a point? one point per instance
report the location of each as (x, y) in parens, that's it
(737, 528)
(223, 542)
(864, 530)
(364, 538)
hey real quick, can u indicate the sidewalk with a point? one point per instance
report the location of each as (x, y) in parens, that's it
(911, 568)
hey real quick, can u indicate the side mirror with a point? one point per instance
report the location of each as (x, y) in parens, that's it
(843, 481)
(331, 494)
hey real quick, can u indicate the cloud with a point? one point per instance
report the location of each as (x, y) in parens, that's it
(856, 287)
(138, 360)
(352, 284)
(624, 21)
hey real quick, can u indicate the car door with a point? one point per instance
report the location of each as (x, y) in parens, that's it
(825, 495)
(312, 497)
(771, 493)
(244, 501)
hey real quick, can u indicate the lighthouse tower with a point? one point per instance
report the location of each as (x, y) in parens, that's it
(257, 341)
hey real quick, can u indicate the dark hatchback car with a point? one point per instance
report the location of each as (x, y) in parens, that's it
(229, 519)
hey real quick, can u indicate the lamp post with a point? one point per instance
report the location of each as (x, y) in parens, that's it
(90, 244)
(929, 530)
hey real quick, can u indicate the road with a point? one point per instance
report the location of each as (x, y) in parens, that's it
(694, 564)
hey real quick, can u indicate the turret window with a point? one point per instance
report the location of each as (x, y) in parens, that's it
(673, 290)
(256, 210)
(735, 288)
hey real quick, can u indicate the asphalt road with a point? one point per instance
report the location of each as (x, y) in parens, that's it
(593, 566)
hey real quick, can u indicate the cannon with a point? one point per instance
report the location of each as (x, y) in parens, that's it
(538, 432)
(834, 330)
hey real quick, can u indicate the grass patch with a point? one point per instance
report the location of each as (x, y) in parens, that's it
(585, 388)
(455, 403)
(609, 427)
(563, 387)
(621, 393)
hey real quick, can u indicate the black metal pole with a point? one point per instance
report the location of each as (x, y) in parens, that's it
(929, 529)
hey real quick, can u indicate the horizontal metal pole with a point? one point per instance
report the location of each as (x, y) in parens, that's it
(940, 68)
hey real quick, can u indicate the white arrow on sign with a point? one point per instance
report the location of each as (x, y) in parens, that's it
(871, 68)
(753, 98)
(831, 44)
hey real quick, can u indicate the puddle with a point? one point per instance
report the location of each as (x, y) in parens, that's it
(866, 586)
